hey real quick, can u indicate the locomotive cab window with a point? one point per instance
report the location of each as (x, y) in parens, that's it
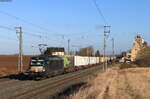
(37, 62)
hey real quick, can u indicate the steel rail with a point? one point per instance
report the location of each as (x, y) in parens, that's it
(42, 89)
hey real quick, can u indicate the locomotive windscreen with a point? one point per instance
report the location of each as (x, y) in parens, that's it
(37, 62)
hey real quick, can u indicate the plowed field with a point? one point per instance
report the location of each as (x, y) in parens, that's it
(9, 64)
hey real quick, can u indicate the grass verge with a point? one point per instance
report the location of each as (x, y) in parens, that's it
(125, 66)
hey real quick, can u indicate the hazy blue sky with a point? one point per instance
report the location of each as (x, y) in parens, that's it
(76, 20)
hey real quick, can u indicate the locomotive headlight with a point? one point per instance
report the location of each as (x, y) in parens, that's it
(31, 63)
(38, 63)
(43, 69)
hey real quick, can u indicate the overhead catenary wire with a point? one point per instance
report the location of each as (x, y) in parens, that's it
(106, 33)
(13, 30)
(30, 23)
(27, 22)
(28, 33)
(35, 25)
(25, 34)
(8, 38)
(100, 12)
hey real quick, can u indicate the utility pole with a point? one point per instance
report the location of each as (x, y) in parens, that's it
(78, 47)
(113, 48)
(106, 34)
(20, 57)
(87, 52)
(68, 46)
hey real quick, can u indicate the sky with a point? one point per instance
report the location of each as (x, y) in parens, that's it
(53, 22)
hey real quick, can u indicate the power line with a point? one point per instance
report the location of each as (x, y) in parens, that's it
(28, 33)
(8, 38)
(99, 11)
(20, 64)
(30, 23)
(5, 27)
(41, 36)
(33, 35)
(25, 33)
(25, 21)
(37, 35)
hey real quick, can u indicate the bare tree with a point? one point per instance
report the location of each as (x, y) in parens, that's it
(97, 53)
(87, 51)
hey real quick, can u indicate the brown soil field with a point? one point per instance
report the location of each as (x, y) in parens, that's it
(116, 83)
(9, 64)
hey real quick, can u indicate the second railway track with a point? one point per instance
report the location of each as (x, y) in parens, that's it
(45, 88)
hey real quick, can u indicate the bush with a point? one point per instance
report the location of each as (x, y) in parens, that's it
(143, 58)
(125, 66)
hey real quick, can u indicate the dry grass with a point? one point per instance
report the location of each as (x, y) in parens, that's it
(98, 86)
(125, 66)
(132, 83)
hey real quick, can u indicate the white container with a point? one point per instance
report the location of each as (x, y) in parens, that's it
(82, 61)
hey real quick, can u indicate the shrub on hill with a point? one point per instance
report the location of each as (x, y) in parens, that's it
(126, 66)
(143, 58)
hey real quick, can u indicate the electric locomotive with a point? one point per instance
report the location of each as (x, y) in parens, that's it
(44, 66)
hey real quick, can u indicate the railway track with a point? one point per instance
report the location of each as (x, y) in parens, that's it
(35, 89)
(10, 78)
(4, 80)
(7, 81)
(42, 89)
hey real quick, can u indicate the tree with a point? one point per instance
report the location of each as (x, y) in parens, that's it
(87, 51)
(97, 53)
(143, 58)
(123, 54)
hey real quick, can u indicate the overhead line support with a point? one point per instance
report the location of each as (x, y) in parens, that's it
(20, 56)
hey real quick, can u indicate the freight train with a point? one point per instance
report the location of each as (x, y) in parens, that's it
(44, 66)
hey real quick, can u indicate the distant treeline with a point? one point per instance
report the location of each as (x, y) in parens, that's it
(88, 51)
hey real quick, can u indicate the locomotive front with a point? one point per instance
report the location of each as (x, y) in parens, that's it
(37, 65)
